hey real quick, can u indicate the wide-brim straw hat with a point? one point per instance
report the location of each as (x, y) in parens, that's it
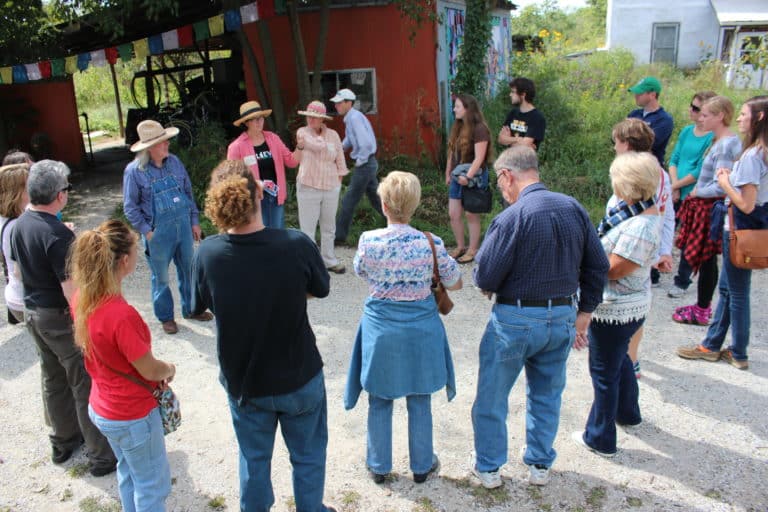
(251, 110)
(315, 109)
(150, 133)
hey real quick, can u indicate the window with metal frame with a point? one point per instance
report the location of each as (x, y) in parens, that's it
(361, 81)
(664, 42)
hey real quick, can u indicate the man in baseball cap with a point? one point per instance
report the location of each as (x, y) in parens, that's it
(360, 139)
(646, 93)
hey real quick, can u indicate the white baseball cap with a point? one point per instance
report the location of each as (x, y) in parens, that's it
(344, 95)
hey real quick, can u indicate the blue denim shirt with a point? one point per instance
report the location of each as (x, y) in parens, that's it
(137, 191)
(401, 349)
(358, 135)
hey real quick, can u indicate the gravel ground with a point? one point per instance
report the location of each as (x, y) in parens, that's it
(703, 444)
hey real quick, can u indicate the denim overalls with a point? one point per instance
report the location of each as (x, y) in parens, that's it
(171, 240)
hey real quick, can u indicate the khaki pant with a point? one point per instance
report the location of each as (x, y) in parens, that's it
(66, 385)
(314, 205)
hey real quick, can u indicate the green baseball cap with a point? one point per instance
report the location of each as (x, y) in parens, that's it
(647, 84)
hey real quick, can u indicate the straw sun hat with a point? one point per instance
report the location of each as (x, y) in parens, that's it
(251, 110)
(150, 133)
(315, 109)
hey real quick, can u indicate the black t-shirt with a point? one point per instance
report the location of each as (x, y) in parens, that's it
(527, 124)
(39, 245)
(265, 162)
(257, 286)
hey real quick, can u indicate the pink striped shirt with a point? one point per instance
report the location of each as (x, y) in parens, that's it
(322, 161)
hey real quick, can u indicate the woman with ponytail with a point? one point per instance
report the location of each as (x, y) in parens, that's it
(117, 349)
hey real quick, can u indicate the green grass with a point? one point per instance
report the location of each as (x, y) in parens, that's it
(217, 502)
(93, 504)
(424, 504)
(78, 470)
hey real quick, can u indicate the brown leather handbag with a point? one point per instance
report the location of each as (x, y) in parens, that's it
(444, 302)
(748, 247)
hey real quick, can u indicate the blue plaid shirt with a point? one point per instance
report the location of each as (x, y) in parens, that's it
(543, 247)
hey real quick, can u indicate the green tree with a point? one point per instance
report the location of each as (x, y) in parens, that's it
(470, 78)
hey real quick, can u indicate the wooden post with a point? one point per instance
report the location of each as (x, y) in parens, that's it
(117, 100)
(149, 81)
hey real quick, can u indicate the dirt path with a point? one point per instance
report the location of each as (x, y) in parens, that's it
(703, 444)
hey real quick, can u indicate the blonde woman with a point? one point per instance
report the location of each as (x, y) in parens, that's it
(631, 239)
(397, 263)
(117, 348)
(319, 180)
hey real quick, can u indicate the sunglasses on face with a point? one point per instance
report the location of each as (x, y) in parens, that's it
(68, 188)
(694, 108)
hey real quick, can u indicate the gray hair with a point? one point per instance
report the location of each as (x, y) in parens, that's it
(46, 179)
(143, 158)
(517, 159)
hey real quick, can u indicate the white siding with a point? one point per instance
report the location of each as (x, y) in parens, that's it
(630, 25)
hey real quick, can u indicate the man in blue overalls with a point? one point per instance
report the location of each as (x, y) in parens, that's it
(158, 202)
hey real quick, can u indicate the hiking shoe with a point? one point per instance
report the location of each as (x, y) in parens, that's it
(636, 368)
(693, 315)
(170, 327)
(727, 356)
(102, 470)
(337, 269)
(538, 474)
(488, 479)
(205, 316)
(61, 455)
(377, 478)
(578, 437)
(699, 352)
(676, 292)
(420, 478)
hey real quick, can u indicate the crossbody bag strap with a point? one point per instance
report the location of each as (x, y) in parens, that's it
(731, 224)
(435, 271)
(126, 375)
(2, 253)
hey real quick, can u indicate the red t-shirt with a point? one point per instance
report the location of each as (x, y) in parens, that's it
(118, 336)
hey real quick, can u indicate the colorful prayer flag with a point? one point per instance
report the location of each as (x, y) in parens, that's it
(170, 40)
(249, 13)
(232, 20)
(216, 25)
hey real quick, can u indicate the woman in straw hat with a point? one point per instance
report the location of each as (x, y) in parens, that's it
(319, 180)
(158, 202)
(267, 157)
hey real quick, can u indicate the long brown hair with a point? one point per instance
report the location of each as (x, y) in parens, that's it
(758, 126)
(13, 182)
(93, 264)
(463, 130)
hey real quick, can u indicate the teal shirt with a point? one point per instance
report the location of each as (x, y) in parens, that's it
(688, 156)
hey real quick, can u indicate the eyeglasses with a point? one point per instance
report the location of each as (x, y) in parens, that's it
(695, 108)
(68, 188)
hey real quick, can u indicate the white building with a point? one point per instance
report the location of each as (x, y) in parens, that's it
(685, 32)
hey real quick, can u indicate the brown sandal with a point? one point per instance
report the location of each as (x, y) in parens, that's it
(457, 252)
(467, 257)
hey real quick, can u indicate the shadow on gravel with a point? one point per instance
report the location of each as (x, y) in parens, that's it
(711, 471)
(17, 354)
(713, 398)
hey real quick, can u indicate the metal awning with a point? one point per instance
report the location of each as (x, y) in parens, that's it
(741, 12)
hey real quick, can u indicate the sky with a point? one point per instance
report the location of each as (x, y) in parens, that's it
(564, 4)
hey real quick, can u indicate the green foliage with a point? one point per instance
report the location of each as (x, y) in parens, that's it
(209, 148)
(25, 31)
(585, 27)
(109, 16)
(470, 78)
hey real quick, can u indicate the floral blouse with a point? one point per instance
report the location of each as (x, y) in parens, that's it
(396, 262)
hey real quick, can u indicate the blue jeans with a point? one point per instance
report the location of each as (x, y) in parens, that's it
(733, 309)
(613, 381)
(143, 473)
(272, 214)
(303, 416)
(419, 433)
(171, 241)
(539, 340)
(363, 181)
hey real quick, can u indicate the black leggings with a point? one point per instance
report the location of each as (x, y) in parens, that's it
(707, 282)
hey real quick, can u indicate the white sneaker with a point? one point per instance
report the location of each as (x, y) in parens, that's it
(676, 292)
(538, 476)
(578, 437)
(488, 479)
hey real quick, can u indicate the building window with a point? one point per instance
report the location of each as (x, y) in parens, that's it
(664, 43)
(361, 81)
